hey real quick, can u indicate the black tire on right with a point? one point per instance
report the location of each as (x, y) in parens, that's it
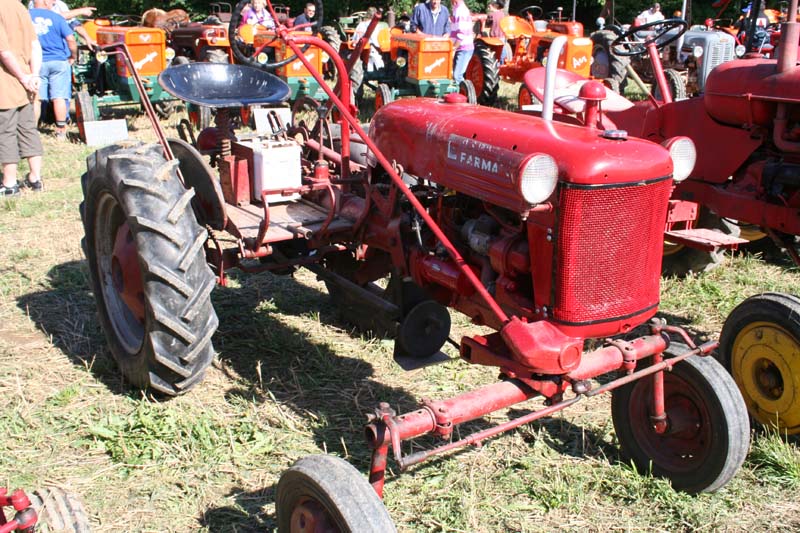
(59, 511)
(349, 502)
(169, 348)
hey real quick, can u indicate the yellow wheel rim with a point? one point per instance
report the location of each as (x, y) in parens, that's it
(752, 233)
(765, 362)
(672, 248)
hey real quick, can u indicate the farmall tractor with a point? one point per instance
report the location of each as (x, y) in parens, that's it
(747, 129)
(549, 234)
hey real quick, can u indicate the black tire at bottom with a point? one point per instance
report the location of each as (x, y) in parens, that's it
(349, 502)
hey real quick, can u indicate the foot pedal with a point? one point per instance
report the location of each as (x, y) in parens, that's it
(408, 362)
(704, 239)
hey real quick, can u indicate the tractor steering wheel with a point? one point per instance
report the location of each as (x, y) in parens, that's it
(238, 45)
(535, 11)
(626, 43)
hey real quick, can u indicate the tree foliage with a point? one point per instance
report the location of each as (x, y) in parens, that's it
(586, 10)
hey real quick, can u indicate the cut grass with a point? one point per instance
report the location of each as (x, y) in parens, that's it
(292, 379)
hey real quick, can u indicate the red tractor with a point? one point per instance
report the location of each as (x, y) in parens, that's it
(533, 228)
(747, 128)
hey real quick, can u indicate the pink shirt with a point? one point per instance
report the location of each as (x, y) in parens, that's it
(461, 27)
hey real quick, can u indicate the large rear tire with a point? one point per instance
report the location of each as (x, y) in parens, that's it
(760, 347)
(147, 267)
(707, 434)
(325, 493)
(483, 71)
(605, 64)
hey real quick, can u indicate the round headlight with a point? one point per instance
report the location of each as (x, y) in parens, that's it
(697, 52)
(169, 54)
(101, 56)
(537, 178)
(401, 62)
(684, 156)
(262, 58)
(739, 50)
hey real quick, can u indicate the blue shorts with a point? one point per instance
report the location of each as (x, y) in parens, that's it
(56, 80)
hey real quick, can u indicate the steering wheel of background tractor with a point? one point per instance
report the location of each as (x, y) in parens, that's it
(535, 11)
(627, 44)
(238, 45)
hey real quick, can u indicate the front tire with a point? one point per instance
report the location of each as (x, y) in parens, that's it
(760, 347)
(677, 87)
(147, 267)
(325, 493)
(708, 432)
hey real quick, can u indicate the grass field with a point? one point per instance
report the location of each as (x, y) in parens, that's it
(291, 379)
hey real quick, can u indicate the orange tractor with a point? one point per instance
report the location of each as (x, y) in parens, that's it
(529, 39)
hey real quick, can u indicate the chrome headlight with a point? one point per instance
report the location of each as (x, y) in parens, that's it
(739, 50)
(684, 156)
(262, 57)
(697, 52)
(401, 62)
(538, 178)
(169, 54)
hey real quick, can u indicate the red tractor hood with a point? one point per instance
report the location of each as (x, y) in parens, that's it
(480, 150)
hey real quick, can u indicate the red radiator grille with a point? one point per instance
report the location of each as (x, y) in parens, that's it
(609, 247)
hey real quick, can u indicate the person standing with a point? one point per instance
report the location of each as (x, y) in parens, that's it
(59, 52)
(496, 14)
(69, 14)
(430, 17)
(375, 58)
(21, 59)
(308, 16)
(463, 38)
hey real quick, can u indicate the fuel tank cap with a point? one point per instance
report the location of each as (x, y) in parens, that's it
(617, 135)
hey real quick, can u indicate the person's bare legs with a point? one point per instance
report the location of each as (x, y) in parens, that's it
(10, 173)
(35, 163)
(60, 112)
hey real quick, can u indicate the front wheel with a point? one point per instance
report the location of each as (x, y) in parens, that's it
(707, 433)
(760, 346)
(383, 96)
(467, 89)
(147, 267)
(325, 493)
(675, 84)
